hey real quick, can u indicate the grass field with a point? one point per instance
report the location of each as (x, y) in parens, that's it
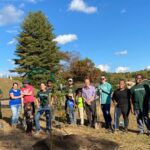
(16, 139)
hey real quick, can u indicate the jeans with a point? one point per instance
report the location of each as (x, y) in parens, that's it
(72, 116)
(124, 110)
(142, 117)
(15, 113)
(81, 115)
(40, 111)
(106, 113)
(91, 113)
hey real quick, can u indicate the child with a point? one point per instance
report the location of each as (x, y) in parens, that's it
(80, 104)
(29, 118)
(70, 109)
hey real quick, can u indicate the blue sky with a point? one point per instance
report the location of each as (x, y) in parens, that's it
(115, 34)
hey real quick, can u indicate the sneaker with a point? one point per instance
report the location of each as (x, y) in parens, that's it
(37, 132)
(47, 132)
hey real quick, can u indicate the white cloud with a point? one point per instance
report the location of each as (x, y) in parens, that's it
(80, 5)
(148, 67)
(13, 41)
(12, 31)
(10, 14)
(104, 67)
(124, 52)
(123, 11)
(122, 69)
(11, 61)
(66, 38)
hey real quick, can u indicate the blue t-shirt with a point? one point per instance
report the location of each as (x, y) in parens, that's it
(15, 101)
(70, 104)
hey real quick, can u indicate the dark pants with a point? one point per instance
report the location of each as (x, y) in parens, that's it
(124, 110)
(106, 113)
(142, 117)
(91, 113)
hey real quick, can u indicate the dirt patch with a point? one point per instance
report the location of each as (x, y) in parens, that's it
(76, 142)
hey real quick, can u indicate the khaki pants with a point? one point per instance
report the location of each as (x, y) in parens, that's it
(81, 115)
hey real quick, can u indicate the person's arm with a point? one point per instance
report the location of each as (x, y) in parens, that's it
(131, 104)
(14, 97)
(108, 90)
(114, 99)
(93, 95)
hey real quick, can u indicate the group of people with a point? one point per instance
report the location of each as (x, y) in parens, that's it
(135, 100)
(24, 99)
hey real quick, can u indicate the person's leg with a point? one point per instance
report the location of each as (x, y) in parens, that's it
(18, 112)
(108, 116)
(94, 115)
(125, 112)
(103, 107)
(117, 115)
(14, 115)
(139, 118)
(146, 118)
(37, 118)
(48, 123)
(81, 111)
(89, 114)
(74, 117)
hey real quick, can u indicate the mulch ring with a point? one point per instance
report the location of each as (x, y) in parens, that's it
(75, 142)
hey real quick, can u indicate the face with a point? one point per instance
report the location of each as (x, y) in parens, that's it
(70, 82)
(49, 84)
(122, 85)
(138, 79)
(25, 84)
(80, 93)
(15, 86)
(87, 82)
(43, 87)
(103, 79)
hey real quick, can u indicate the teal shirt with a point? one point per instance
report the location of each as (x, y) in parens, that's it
(105, 91)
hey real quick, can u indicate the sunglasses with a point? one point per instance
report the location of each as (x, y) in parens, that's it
(102, 78)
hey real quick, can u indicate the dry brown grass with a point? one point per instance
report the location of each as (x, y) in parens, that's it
(17, 140)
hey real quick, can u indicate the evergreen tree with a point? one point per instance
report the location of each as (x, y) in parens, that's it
(36, 48)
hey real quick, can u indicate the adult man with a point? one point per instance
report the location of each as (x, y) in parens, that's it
(70, 88)
(43, 107)
(88, 94)
(121, 99)
(140, 94)
(1, 94)
(105, 90)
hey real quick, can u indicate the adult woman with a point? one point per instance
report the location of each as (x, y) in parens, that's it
(15, 103)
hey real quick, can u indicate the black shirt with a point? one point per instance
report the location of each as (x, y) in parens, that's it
(122, 97)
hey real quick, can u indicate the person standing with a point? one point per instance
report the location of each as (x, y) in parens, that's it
(121, 100)
(105, 91)
(89, 94)
(28, 95)
(70, 109)
(15, 103)
(1, 95)
(43, 107)
(80, 105)
(140, 94)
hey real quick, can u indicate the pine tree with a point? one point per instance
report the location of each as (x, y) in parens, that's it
(36, 48)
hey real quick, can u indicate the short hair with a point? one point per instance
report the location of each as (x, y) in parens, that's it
(87, 78)
(49, 81)
(139, 75)
(122, 80)
(15, 83)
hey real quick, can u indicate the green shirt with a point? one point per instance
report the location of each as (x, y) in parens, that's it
(140, 96)
(43, 97)
(80, 102)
